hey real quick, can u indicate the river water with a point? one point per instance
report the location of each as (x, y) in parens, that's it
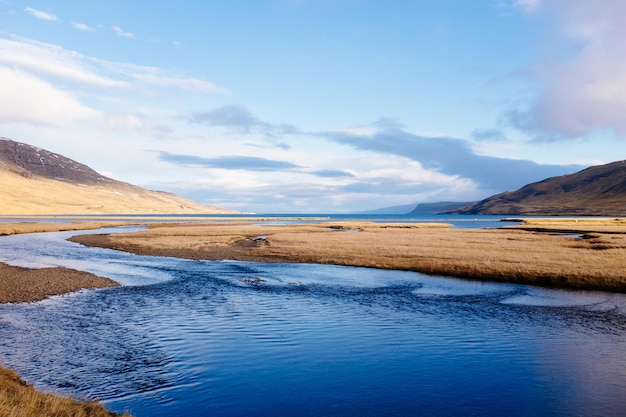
(200, 338)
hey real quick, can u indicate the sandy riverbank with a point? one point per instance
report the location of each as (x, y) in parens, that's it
(25, 285)
(19, 285)
(593, 259)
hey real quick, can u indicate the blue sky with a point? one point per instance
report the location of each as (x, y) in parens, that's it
(305, 106)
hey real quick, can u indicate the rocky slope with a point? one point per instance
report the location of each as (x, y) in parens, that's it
(595, 191)
(36, 181)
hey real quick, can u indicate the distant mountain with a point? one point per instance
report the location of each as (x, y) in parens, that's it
(422, 208)
(37, 181)
(438, 208)
(403, 209)
(595, 191)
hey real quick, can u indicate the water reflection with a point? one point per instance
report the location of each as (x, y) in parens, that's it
(235, 338)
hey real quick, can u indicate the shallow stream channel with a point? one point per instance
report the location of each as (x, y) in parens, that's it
(226, 338)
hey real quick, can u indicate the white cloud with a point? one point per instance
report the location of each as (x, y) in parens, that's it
(25, 98)
(51, 60)
(585, 90)
(84, 27)
(39, 14)
(120, 32)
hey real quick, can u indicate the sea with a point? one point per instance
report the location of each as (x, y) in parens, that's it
(230, 338)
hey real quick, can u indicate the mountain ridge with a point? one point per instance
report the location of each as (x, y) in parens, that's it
(37, 181)
(598, 190)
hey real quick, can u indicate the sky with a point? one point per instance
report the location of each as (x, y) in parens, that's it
(318, 106)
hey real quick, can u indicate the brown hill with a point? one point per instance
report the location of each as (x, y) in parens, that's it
(595, 191)
(36, 181)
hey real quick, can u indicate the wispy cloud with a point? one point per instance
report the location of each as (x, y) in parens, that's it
(40, 14)
(50, 60)
(488, 135)
(241, 120)
(46, 85)
(84, 27)
(332, 173)
(452, 156)
(120, 32)
(246, 163)
(232, 117)
(251, 163)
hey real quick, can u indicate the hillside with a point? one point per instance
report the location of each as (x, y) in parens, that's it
(595, 191)
(36, 181)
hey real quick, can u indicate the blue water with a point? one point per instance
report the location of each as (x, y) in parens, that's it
(199, 338)
(464, 221)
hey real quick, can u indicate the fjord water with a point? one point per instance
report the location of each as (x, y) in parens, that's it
(227, 338)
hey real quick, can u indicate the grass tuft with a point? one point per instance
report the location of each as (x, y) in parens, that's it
(18, 399)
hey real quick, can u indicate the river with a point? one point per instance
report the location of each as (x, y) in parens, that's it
(226, 338)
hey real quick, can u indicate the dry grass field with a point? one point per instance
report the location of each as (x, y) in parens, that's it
(596, 259)
(578, 224)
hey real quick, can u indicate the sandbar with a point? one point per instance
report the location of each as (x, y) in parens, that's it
(19, 285)
(593, 259)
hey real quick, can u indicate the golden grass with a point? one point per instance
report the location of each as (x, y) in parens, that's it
(596, 262)
(37, 227)
(576, 224)
(18, 399)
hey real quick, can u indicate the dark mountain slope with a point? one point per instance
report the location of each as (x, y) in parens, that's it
(595, 191)
(35, 161)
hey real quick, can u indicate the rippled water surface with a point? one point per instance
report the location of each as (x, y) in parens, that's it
(198, 338)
